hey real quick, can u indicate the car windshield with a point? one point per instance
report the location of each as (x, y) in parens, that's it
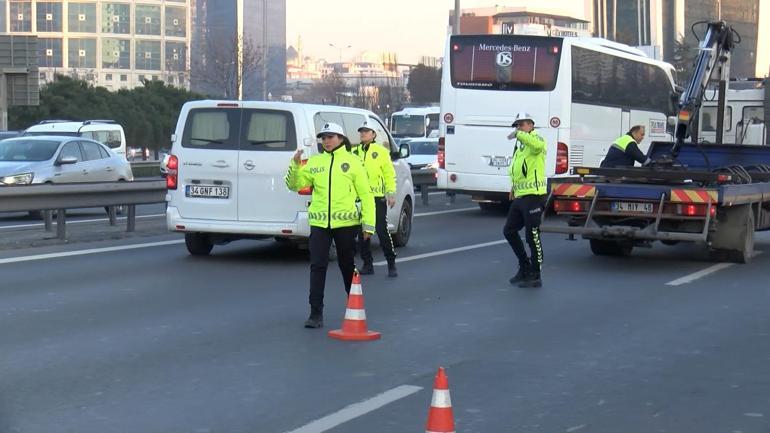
(19, 149)
(423, 147)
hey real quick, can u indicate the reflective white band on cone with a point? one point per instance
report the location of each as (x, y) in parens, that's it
(441, 399)
(352, 314)
(355, 289)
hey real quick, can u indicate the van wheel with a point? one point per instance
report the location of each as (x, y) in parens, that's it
(198, 244)
(610, 248)
(404, 229)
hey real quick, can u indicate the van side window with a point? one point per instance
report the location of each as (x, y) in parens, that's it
(268, 130)
(382, 137)
(211, 128)
(113, 139)
(351, 123)
(322, 118)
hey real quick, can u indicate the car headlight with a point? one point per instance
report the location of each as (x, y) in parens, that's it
(17, 179)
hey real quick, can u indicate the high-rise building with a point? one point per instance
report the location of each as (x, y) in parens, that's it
(239, 48)
(115, 44)
(525, 20)
(659, 24)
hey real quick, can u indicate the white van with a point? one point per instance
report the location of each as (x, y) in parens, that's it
(107, 132)
(228, 162)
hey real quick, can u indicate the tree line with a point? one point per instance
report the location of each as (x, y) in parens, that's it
(147, 113)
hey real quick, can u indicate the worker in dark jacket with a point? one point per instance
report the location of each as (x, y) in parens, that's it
(625, 150)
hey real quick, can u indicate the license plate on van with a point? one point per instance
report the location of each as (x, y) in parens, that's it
(207, 191)
(621, 206)
(499, 161)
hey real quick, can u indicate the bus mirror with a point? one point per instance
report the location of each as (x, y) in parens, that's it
(671, 120)
(427, 122)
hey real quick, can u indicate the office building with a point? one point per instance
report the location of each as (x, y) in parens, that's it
(524, 20)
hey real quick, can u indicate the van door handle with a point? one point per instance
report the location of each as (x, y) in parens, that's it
(220, 164)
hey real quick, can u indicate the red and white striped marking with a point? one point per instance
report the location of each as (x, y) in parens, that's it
(440, 416)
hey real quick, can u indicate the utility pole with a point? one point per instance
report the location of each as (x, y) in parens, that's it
(456, 26)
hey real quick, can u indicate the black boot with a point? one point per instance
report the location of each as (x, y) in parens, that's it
(521, 275)
(532, 280)
(392, 272)
(367, 269)
(316, 319)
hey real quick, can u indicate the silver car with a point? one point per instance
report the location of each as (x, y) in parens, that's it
(59, 159)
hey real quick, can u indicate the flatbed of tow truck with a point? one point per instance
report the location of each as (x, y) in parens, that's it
(715, 194)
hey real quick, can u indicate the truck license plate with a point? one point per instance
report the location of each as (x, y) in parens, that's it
(621, 206)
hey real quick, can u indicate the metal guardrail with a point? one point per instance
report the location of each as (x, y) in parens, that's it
(145, 168)
(425, 178)
(60, 197)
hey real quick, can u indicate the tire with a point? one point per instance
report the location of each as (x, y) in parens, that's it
(198, 244)
(404, 228)
(743, 256)
(610, 248)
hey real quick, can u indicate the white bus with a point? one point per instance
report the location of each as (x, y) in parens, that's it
(414, 122)
(583, 93)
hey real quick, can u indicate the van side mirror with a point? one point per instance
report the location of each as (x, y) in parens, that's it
(403, 151)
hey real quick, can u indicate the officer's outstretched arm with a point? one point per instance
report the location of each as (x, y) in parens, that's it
(298, 177)
(364, 192)
(532, 141)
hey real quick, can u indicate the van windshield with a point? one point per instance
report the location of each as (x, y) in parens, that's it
(239, 129)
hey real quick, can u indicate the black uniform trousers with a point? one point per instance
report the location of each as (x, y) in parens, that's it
(320, 242)
(525, 212)
(383, 234)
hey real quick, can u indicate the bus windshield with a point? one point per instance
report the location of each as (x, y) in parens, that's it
(505, 62)
(408, 126)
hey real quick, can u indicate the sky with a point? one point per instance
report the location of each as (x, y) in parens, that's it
(411, 28)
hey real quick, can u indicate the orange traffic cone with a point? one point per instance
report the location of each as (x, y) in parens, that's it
(354, 326)
(440, 418)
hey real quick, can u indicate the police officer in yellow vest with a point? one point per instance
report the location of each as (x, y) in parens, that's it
(338, 180)
(382, 179)
(528, 194)
(625, 150)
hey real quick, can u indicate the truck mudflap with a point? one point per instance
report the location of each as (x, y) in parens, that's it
(553, 223)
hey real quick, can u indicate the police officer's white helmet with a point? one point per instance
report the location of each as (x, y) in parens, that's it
(331, 128)
(521, 116)
(367, 126)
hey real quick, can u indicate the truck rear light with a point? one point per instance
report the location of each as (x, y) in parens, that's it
(571, 206)
(172, 177)
(562, 158)
(694, 210)
(441, 153)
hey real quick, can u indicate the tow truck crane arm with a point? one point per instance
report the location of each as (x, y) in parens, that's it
(714, 54)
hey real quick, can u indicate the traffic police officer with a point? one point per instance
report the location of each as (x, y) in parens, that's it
(339, 180)
(527, 196)
(382, 179)
(625, 150)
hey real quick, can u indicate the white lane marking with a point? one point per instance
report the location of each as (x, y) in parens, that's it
(21, 226)
(437, 193)
(703, 273)
(444, 252)
(89, 251)
(357, 409)
(441, 212)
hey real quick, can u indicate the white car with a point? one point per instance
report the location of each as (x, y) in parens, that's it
(422, 152)
(107, 132)
(229, 159)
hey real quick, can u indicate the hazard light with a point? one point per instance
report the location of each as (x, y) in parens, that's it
(562, 158)
(441, 153)
(172, 177)
(570, 206)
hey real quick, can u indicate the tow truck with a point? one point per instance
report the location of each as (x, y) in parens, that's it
(716, 194)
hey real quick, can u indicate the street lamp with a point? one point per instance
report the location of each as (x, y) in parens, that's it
(340, 48)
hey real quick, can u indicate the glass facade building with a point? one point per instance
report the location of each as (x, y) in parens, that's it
(115, 44)
(221, 25)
